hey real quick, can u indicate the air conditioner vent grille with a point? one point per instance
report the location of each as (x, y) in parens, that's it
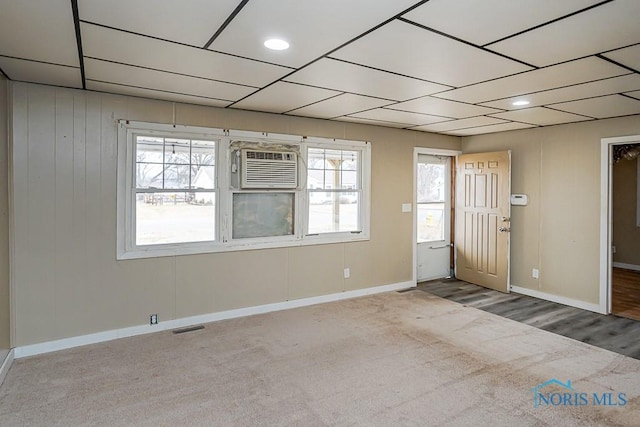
(269, 169)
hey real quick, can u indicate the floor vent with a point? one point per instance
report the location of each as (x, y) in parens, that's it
(401, 291)
(189, 329)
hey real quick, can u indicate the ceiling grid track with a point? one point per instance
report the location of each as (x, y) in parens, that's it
(455, 65)
(76, 22)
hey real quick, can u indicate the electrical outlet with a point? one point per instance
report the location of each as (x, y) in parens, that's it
(613, 249)
(347, 273)
(535, 273)
(153, 319)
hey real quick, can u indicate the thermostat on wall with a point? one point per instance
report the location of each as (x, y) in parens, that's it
(519, 199)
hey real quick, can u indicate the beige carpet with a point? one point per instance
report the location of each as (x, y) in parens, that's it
(391, 359)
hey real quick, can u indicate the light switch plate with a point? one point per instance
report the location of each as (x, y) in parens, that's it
(406, 207)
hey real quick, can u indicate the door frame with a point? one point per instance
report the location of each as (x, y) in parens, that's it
(606, 216)
(414, 239)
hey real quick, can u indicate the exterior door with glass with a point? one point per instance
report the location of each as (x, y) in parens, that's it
(433, 216)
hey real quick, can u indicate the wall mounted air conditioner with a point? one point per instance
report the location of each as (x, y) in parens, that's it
(268, 169)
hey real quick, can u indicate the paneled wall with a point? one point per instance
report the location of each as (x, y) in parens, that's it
(558, 167)
(626, 233)
(5, 320)
(67, 281)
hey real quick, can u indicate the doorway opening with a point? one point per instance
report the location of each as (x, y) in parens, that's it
(433, 178)
(607, 228)
(625, 248)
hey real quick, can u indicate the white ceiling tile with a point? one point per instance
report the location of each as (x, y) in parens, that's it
(281, 97)
(580, 71)
(118, 46)
(154, 94)
(635, 94)
(312, 28)
(39, 72)
(490, 129)
(603, 107)
(443, 107)
(597, 30)
(412, 51)
(541, 116)
(408, 118)
(571, 93)
(192, 22)
(334, 74)
(340, 105)
(371, 122)
(38, 30)
(460, 124)
(161, 80)
(629, 56)
(485, 21)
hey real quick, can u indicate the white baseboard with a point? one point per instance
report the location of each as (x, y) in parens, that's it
(5, 366)
(626, 266)
(65, 343)
(560, 300)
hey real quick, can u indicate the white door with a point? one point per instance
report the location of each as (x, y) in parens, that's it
(483, 185)
(433, 216)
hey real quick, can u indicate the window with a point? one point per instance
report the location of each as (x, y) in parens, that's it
(174, 190)
(334, 185)
(187, 190)
(432, 197)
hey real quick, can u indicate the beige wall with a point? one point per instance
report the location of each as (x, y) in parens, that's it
(67, 281)
(558, 167)
(5, 323)
(626, 233)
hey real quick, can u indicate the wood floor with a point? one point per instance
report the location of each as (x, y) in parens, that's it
(614, 333)
(625, 295)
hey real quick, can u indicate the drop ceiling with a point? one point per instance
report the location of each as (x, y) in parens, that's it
(450, 67)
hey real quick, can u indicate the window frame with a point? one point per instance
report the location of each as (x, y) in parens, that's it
(223, 190)
(136, 191)
(363, 178)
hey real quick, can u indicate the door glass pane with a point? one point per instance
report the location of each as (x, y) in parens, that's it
(431, 222)
(431, 180)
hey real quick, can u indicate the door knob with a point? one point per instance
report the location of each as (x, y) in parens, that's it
(506, 219)
(504, 229)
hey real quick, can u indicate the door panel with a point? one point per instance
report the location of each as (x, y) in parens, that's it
(483, 186)
(433, 217)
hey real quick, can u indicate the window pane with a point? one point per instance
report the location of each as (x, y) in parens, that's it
(176, 176)
(177, 151)
(203, 177)
(431, 178)
(148, 175)
(349, 179)
(175, 217)
(315, 179)
(203, 153)
(333, 211)
(349, 160)
(262, 214)
(315, 158)
(430, 222)
(149, 150)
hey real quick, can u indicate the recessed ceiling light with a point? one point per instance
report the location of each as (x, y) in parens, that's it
(520, 103)
(276, 44)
